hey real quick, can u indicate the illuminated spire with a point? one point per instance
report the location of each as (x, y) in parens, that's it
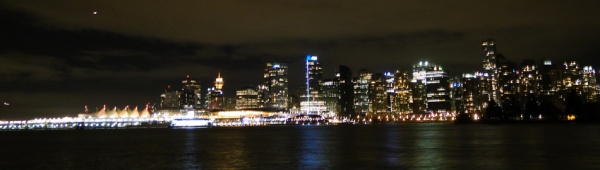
(219, 83)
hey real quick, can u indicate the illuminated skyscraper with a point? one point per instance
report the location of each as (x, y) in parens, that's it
(331, 95)
(314, 75)
(589, 84)
(431, 88)
(390, 91)
(361, 92)
(401, 95)
(489, 84)
(214, 96)
(471, 101)
(247, 98)
(190, 94)
(312, 103)
(169, 99)
(456, 94)
(378, 96)
(219, 83)
(551, 81)
(508, 75)
(276, 82)
(488, 48)
(529, 80)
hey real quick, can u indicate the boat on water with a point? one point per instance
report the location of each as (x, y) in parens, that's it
(191, 122)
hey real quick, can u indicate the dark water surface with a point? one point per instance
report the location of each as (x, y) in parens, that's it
(390, 146)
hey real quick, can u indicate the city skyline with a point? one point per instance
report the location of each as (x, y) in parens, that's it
(57, 60)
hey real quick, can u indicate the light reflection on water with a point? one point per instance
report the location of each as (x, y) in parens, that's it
(392, 146)
(312, 153)
(189, 151)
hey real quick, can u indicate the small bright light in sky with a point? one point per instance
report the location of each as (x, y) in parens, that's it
(95, 12)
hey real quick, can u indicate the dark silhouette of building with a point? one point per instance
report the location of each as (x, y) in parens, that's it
(346, 87)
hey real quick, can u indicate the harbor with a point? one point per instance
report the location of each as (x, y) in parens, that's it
(221, 119)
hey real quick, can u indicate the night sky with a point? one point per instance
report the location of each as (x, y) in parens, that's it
(57, 56)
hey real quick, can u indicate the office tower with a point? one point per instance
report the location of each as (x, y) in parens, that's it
(551, 84)
(331, 95)
(456, 95)
(314, 75)
(571, 75)
(431, 92)
(378, 95)
(219, 83)
(471, 101)
(276, 83)
(418, 102)
(312, 103)
(247, 98)
(214, 96)
(589, 85)
(361, 92)
(508, 80)
(263, 95)
(346, 90)
(390, 80)
(190, 94)
(169, 99)
(401, 98)
(529, 79)
(489, 80)
(488, 48)
(551, 79)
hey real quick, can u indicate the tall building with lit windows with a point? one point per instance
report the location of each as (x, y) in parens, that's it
(362, 102)
(551, 81)
(570, 79)
(214, 96)
(379, 94)
(190, 94)
(456, 94)
(276, 82)
(331, 95)
(401, 96)
(529, 80)
(491, 70)
(169, 99)
(507, 90)
(246, 98)
(314, 73)
(580, 79)
(390, 79)
(219, 83)
(431, 92)
(471, 101)
(488, 48)
(311, 101)
(589, 84)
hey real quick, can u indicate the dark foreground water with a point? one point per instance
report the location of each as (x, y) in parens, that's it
(391, 146)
